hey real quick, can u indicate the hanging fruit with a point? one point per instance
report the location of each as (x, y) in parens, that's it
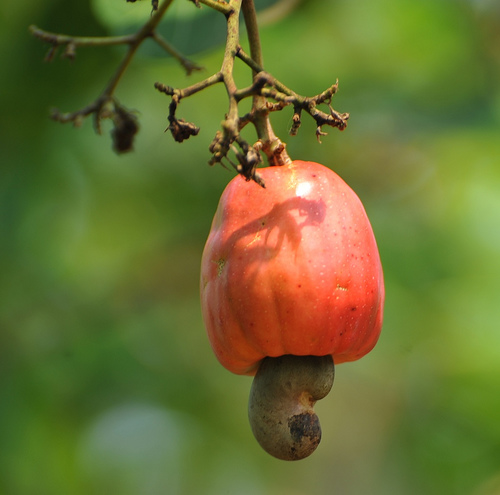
(291, 283)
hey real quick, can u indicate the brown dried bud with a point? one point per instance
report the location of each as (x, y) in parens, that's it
(70, 51)
(50, 53)
(124, 131)
(181, 129)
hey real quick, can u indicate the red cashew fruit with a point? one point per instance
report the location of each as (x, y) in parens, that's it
(292, 268)
(291, 283)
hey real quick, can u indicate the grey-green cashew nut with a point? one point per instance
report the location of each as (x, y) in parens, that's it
(281, 403)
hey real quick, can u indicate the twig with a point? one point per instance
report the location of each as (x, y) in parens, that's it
(188, 65)
(106, 105)
(190, 90)
(64, 39)
(264, 88)
(266, 85)
(272, 146)
(219, 5)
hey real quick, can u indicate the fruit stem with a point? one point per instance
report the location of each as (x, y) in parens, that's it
(272, 146)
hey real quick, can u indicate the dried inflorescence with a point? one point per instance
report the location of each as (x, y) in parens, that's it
(125, 128)
(106, 106)
(180, 129)
(248, 156)
(228, 147)
(125, 122)
(229, 139)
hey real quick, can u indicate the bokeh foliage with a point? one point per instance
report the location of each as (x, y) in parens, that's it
(107, 380)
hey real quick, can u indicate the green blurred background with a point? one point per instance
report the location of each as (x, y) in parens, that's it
(108, 384)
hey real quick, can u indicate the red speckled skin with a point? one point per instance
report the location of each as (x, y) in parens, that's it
(291, 269)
